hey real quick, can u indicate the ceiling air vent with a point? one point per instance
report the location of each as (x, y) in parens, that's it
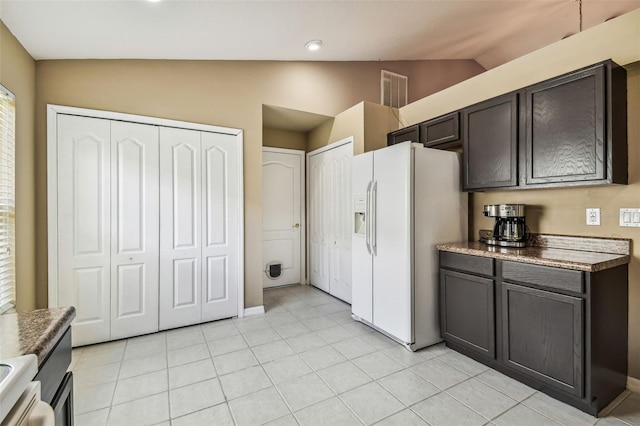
(393, 89)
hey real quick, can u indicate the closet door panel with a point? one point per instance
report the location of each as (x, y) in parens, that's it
(319, 206)
(221, 226)
(134, 229)
(84, 224)
(180, 227)
(339, 185)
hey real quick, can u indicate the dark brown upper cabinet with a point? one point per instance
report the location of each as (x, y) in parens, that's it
(490, 143)
(574, 129)
(411, 133)
(442, 132)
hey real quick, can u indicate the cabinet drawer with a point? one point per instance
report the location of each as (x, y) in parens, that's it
(468, 263)
(441, 130)
(556, 278)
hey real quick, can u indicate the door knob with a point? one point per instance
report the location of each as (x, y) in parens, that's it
(297, 225)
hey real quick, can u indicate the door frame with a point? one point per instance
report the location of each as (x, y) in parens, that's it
(303, 209)
(52, 184)
(339, 143)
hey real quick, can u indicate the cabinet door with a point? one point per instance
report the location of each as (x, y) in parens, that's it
(467, 314)
(490, 143)
(221, 226)
(180, 228)
(84, 225)
(565, 128)
(411, 134)
(62, 402)
(543, 336)
(441, 130)
(134, 229)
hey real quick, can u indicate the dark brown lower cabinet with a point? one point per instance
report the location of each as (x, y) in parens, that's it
(62, 402)
(543, 336)
(560, 331)
(467, 311)
(56, 383)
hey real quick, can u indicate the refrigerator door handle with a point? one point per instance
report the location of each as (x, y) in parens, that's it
(367, 216)
(374, 227)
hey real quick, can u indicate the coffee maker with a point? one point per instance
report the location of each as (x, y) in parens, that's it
(509, 229)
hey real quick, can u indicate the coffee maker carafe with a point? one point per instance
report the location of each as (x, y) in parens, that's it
(509, 229)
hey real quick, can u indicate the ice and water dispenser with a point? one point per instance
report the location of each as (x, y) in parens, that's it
(359, 219)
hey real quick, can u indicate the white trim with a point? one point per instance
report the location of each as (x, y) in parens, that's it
(52, 205)
(633, 384)
(303, 209)
(52, 179)
(142, 119)
(347, 140)
(333, 145)
(240, 139)
(255, 310)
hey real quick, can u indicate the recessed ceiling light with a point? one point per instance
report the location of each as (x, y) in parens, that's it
(313, 45)
(153, 1)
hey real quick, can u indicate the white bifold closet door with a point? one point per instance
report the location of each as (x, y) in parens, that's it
(107, 226)
(199, 227)
(330, 220)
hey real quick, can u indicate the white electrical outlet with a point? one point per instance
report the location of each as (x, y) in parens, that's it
(630, 217)
(593, 217)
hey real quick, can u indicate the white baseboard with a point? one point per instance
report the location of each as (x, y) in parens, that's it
(256, 310)
(633, 384)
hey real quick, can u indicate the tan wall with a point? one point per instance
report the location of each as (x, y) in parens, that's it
(347, 123)
(427, 77)
(562, 211)
(279, 138)
(368, 123)
(378, 121)
(18, 74)
(225, 93)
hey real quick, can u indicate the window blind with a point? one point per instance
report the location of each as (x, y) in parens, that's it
(7, 200)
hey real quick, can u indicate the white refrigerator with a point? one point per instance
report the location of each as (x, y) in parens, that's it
(406, 199)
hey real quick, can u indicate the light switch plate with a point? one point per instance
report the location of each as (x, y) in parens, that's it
(630, 217)
(593, 216)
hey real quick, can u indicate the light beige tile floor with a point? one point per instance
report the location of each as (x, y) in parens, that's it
(304, 362)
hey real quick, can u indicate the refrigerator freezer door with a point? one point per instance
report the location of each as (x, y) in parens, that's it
(361, 278)
(392, 241)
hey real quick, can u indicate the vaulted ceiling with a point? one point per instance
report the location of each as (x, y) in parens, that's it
(490, 31)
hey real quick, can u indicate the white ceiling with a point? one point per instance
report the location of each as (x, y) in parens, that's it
(489, 31)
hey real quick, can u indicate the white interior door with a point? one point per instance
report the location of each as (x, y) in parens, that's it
(319, 207)
(180, 228)
(84, 223)
(134, 229)
(340, 218)
(221, 225)
(282, 214)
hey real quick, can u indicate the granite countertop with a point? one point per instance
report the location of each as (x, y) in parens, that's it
(554, 251)
(33, 332)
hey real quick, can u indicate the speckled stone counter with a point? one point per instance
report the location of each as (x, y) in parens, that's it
(560, 251)
(34, 332)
